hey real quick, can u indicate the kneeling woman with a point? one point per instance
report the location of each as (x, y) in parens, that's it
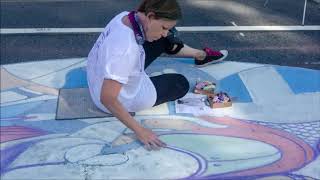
(117, 79)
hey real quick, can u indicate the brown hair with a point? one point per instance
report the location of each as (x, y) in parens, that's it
(167, 9)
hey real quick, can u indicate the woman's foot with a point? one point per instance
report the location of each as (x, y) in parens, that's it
(211, 57)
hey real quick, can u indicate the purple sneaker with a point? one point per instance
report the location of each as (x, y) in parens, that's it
(212, 57)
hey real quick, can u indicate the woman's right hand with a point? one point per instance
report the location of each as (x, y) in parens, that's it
(149, 139)
(109, 98)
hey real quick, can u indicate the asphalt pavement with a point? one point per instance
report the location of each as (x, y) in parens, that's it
(289, 48)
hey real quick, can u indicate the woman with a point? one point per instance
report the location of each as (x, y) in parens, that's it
(116, 66)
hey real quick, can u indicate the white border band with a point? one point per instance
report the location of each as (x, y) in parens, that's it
(181, 29)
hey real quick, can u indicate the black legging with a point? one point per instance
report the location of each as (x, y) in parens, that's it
(169, 87)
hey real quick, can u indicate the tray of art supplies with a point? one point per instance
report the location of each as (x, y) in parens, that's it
(215, 99)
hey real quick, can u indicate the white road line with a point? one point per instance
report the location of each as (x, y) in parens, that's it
(249, 28)
(49, 30)
(39, 1)
(233, 23)
(182, 29)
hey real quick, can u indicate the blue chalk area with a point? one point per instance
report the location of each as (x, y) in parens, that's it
(48, 106)
(300, 80)
(234, 86)
(188, 61)
(10, 123)
(11, 153)
(76, 78)
(45, 106)
(172, 108)
(19, 109)
(107, 149)
(25, 93)
(67, 127)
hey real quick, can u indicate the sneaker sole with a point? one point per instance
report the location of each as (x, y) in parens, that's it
(225, 54)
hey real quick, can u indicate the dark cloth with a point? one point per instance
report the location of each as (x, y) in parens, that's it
(153, 50)
(163, 45)
(169, 87)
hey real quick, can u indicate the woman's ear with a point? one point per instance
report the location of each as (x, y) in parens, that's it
(151, 15)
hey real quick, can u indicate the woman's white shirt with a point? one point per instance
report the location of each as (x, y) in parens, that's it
(117, 56)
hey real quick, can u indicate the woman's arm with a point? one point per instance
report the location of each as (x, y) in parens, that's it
(109, 98)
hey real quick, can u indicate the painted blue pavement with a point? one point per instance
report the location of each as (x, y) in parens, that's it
(301, 80)
(271, 131)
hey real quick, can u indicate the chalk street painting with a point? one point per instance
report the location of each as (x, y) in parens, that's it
(272, 131)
